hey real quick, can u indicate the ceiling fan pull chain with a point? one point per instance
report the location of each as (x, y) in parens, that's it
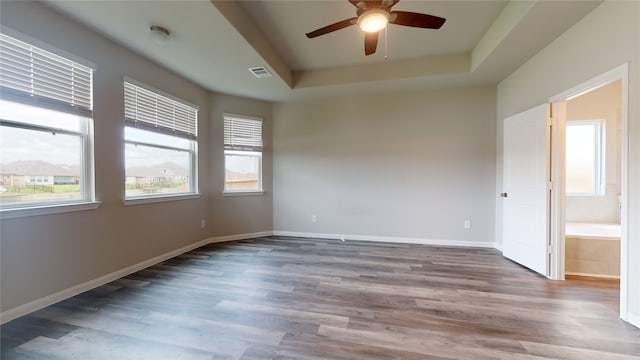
(386, 40)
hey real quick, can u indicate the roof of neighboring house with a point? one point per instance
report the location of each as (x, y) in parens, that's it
(38, 167)
(160, 170)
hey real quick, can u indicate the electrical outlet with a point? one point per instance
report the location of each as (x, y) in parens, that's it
(203, 223)
(467, 224)
(314, 218)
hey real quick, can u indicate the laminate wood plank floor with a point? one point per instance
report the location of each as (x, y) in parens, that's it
(293, 298)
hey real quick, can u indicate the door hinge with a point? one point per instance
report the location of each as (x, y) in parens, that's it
(549, 185)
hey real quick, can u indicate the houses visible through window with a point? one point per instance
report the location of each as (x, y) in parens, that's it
(46, 123)
(242, 154)
(160, 144)
(585, 157)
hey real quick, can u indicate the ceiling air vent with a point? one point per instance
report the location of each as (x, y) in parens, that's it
(260, 72)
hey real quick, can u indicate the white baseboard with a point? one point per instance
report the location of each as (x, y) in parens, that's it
(401, 240)
(218, 239)
(307, 235)
(633, 319)
(38, 304)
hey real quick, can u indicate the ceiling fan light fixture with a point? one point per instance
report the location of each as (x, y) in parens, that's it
(373, 20)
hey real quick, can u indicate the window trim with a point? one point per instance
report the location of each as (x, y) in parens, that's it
(48, 209)
(243, 193)
(87, 167)
(142, 125)
(88, 192)
(251, 147)
(193, 169)
(23, 50)
(599, 176)
(161, 198)
(260, 189)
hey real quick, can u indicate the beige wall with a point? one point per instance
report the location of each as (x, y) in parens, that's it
(42, 255)
(605, 39)
(603, 103)
(592, 257)
(242, 214)
(403, 165)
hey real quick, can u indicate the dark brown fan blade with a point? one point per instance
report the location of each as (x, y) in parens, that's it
(407, 18)
(370, 42)
(333, 27)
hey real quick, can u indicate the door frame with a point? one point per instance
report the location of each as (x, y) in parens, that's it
(557, 166)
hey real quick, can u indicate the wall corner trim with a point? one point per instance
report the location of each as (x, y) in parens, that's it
(40, 303)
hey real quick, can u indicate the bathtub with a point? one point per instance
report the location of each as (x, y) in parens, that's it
(592, 249)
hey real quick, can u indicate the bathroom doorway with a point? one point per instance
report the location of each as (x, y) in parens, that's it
(600, 205)
(593, 183)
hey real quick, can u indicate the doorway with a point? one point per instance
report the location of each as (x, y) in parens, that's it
(595, 110)
(593, 189)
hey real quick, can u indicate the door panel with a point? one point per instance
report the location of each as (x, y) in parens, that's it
(526, 174)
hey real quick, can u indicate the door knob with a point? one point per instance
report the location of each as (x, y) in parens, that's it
(504, 195)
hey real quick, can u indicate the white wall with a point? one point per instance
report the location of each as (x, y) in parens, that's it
(403, 165)
(604, 103)
(604, 39)
(43, 255)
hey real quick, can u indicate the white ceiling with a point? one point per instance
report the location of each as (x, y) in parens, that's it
(213, 43)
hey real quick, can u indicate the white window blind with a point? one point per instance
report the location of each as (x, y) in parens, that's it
(34, 76)
(242, 133)
(149, 110)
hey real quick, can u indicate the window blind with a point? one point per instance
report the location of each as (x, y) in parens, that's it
(147, 109)
(34, 76)
(242, 133)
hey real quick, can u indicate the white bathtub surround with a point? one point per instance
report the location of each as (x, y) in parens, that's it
(593, 230)
(593, 249)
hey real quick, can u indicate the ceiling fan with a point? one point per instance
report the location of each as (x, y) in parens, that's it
(374, 15)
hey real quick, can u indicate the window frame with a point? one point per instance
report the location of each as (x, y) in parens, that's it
(28, 92)
(599, 156)
(257, 154)
(252, 147)
(145, 126)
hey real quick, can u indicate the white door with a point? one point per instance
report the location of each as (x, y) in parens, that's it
(525, 198)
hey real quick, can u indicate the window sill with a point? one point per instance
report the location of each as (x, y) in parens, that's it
(47, 210)
(156, 199)
(242, 193)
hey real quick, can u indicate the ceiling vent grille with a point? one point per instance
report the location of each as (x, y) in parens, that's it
(260, 72)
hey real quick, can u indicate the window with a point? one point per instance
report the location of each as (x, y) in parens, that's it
(585, 157)
(160, 144)
(242, 154)
(46, 110)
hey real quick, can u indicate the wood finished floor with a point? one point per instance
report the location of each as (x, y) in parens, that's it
(290, 298)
